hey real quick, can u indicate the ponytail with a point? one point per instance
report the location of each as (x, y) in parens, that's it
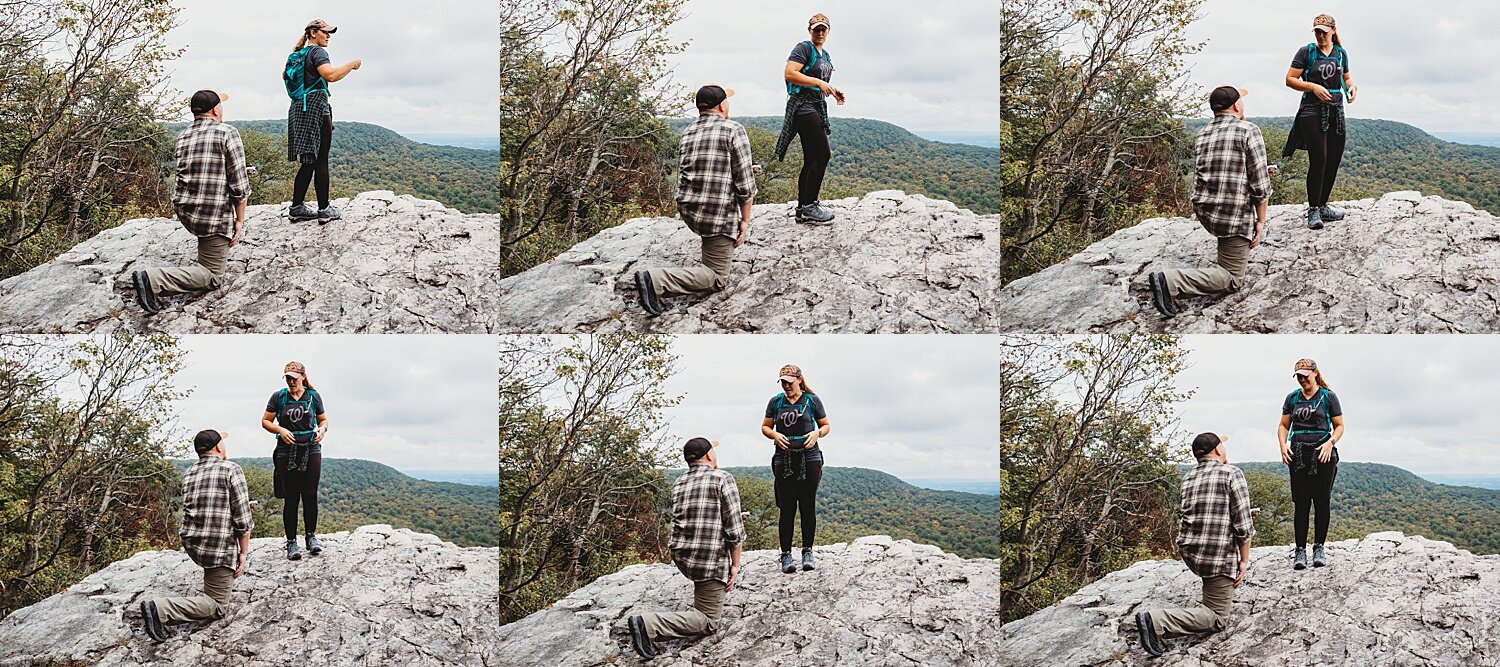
(806, 389)
(305, 34)
(1318, 375)
(308, 383)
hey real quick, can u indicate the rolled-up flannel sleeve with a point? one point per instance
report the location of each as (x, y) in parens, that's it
(743, 163)
(1256, 163)
(729, 507)
(239, 504)
(1241, 525)
(234, 167)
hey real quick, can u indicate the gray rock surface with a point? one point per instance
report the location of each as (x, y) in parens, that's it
(1388, 599)
(875, 601)
(1402, 263)
(393, 264)
(377, 596)
(890, 263)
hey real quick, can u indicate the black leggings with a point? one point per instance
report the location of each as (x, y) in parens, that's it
(815, 155)
(793, 494)
(315, 173)
(301, 486)
(1325, 150)
(1313, 490)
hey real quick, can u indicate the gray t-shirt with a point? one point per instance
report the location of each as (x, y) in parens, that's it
(822, 69)
(316, 57)
(795, 420)
(1327, 71)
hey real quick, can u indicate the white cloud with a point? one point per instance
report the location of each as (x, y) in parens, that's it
(428, 67)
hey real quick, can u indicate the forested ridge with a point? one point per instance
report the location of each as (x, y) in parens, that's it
(366, 157)
(355, 492)
(871, 155)
(854, 502)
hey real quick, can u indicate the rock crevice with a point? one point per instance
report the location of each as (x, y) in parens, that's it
(1402, 263)
(377, 595)
(1387, 599)
(890, 263)
(393, 264)
(875, 601)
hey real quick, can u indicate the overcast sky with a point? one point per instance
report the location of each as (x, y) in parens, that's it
(924, 66)
(428, 67)
(1428, 64)
(410, 402)
(1423, 403)
(917, 407)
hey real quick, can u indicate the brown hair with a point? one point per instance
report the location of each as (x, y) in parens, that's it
(306, 33)
(306, 381)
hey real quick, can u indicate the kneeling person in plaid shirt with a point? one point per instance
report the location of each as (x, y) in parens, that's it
(216, 525)
(1231, 185)
(209, 198)
(715, 193)
(1214, 539)
(707, 534)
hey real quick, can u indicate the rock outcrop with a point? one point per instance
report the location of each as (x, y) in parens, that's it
(890, 263)
(875, 601)
(377, 596)
(1402, 263)
(1388, 599)
(393, 264)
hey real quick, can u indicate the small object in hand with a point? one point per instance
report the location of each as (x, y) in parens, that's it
(251, 171)
(1273, 169)
(757, 169)
(254, 504)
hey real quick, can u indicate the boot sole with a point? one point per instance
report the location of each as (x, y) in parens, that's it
(143, 294)
(1158, 290)
(635, 640)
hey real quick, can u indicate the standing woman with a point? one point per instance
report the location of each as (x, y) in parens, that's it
(1321, 71)
(795, 421)
(1312, 422)
(309, 120)
(295, 415)
(808, 70)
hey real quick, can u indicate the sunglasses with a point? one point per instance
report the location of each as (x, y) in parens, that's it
(820, 28)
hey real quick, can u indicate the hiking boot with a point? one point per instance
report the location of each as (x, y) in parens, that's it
(1319, 558)
(787, 566)
(1314, 218)
(144, 293)
(639, 639)
(814, 214)
(1299, 561)
(152, 621)
(1330, 213)
(1147, 630)
(314, 547)
(326, 215)
(1160, 296)
(646, 290)
(292, 552)
(302, 212)
(807, 559)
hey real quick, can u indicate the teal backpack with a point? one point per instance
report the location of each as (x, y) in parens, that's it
(1314, 56)
(284, 397)
(1317, 400)
(801, 406)
(294, 77)
(793, 89)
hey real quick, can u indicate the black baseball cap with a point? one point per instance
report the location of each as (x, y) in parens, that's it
(711, 96)
(206, 440)
(1205, 443)
(1224, 97)
(697, 448)
(205, 100)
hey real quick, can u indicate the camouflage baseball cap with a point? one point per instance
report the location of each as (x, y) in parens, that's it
(1306, 367)
(294, 369)
(818, 20)
(789, 373)
(1325, 23)
(320, 24)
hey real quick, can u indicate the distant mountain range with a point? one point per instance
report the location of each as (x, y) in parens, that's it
(871, 155)
(368, 157)
(1370, 497)
(355, 492)
(854, 502)
(1385, 156)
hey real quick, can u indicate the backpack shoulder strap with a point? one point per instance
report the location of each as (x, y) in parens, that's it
(281, 397)
(812, 60)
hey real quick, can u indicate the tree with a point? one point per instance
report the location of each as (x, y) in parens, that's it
(85, 87)
(581, 453)
(1273, 495)
(583, 84)
(82, 467)
(1087, 433)
(1090, 91)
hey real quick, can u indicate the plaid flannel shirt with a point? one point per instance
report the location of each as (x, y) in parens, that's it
(714, 176)
(304, 127)
(1215, 519)
(211, 177)
(706, 523)
(215, 512)
(1231, 176)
